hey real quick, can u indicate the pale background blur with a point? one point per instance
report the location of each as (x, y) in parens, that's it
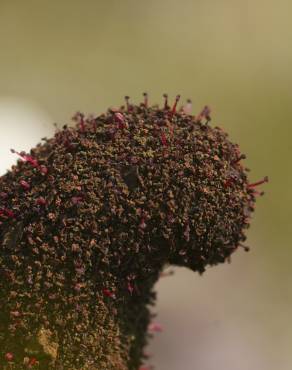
(235, 55)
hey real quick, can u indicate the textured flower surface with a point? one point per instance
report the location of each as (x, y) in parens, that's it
(89, 219)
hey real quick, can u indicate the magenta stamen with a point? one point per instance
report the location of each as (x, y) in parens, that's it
(24, 184)
(26, 158)
(265, 179)
(41, 201)
(163, 139)
(108, 293)
(29, 159)
(165, 101)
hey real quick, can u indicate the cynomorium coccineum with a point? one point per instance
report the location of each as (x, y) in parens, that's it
(89, 219)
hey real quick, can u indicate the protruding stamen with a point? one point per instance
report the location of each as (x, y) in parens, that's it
(26, 158)
(265, 179)
(188, 107)
(79, 118)
(242, 156)
(127, 98)
(175, 104)
(165, 101)
(205, 113)
(145, 94)
(247, 249)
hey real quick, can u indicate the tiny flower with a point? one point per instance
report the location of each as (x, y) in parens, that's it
(9, 356)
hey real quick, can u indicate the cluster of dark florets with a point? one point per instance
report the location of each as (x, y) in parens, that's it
(90, 217)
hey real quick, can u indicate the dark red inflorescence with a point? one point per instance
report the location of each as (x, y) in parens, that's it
(89, 219)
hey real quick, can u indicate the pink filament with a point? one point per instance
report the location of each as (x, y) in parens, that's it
(265, 179)
(175, 105)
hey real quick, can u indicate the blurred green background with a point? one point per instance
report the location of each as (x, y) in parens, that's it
(57, 57)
